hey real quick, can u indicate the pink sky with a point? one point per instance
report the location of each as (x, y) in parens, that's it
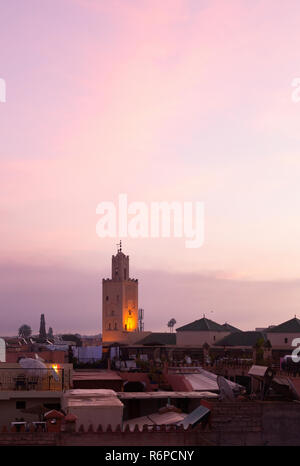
(174, 100)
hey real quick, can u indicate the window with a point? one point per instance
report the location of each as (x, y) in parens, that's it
(109, 326)
(117, 298)
(106, 298)
(125, 274)
(214, 337)
(116, 327)
(20, 404)
(112, 313)
(285, 340)
(51, 406)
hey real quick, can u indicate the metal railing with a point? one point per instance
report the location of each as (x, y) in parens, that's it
(233, 363)
(32, 379)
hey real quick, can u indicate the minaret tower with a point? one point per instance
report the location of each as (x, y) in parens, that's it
(119, 301)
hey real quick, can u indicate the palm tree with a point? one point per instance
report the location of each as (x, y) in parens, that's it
(171, 324)
(259, 350)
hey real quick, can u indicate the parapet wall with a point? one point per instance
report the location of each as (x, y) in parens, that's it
(255, 423)
(147, 436)
(236, 423)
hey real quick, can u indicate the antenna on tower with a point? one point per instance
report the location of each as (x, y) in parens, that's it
(119, 246)
(141, 320)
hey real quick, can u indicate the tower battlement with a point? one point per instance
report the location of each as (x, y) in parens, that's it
(129, 280)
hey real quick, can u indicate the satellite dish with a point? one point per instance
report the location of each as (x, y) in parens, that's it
(33, 366)
(226, 392)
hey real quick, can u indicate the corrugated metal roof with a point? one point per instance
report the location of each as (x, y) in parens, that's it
(195, 416)
(207, 381)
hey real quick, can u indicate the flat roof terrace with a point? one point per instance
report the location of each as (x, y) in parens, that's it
(97, 379)
(93, 397)
(164, 394)
(95, 375)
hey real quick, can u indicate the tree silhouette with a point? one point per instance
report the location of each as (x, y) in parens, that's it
(259, 347)
(25, 331)
(171, 324)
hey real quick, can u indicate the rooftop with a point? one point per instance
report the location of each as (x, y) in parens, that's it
(96, 402)
(241, 339)
(95, 375)
(202, 325)
(231, 328)
(207, 381)
(290, 326)
(90, 397)
(165, 394)
(90, 392)
(156, 338)
(13, 394)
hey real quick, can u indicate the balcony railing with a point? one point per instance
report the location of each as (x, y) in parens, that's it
(233, 363)
(34, 379)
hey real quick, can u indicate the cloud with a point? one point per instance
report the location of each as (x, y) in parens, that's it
(71, 299)
(163, 100)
